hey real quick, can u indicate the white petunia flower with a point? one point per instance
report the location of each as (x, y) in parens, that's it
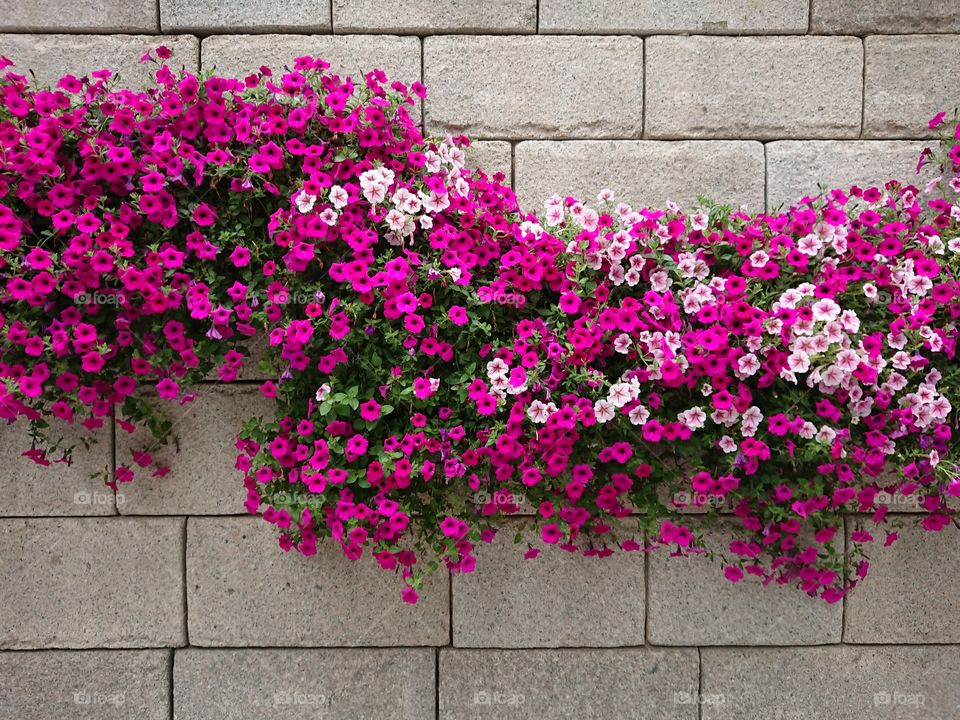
(727, 444)
(759, 259)
(639, 415)
(798, 361)
(620, 394)
(497, 367)
(694, 418)
(395, 220)
(539, 412)
(699, 220)
(604, 411)
(305, 202)
(622, 343)
(554, 215)
(339, 197)
(748, 365)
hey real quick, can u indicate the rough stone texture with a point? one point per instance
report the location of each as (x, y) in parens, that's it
(643, 683)
(85, 685)
(243, 54)
(856, 17)
(56, 489)
(491, 156)
(910, 595)
(239, 55)
(907, 81)
(91, 582)
(641, 172)
(52, 56)
(252, 370)
(477, 86)
(265, 684)
(584, 601)
(840, 683)
(105, 16)
(201, 453)
(243, 590)
(245, 16)
(796, 169)
(737, 87)
(648, 17)
(692, 603)
(431, 17)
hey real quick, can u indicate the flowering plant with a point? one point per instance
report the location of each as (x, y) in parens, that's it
(138, 242)
(444, 360)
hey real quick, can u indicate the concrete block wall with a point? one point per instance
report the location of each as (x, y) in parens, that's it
(167, 601)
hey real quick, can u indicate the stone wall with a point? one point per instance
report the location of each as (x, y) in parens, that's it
(166, 601)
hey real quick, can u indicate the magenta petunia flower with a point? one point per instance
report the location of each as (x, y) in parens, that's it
(370, 410)
(569, 303)
(458, 315)
(168, 389)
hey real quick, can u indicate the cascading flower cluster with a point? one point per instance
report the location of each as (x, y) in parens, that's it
(444, 361)
(140, 237)
(789, 368)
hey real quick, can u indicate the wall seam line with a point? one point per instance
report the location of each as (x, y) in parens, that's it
(863, 87)
(183, 566)
(112, 460)
(646, 592)
(846, 558)
(436, 683)
(699, 684)
(423, 81)
(643, 88)
(170, 690)
(766, 179)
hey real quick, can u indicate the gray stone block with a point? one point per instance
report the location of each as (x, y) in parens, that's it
(91, 583)
(856, 17)
(558, 599)
(907, 81)
(641, 173)
(491, 156)
(50, 57)
(245, 16)
(796, 169)
(716, 87)
(635, 684)
(648, 17)
(243, 590)
(342, 683)
(239, 55)
(201, 452)
(840, 683)
(910, 594)
(105, 16)
(692, 603)
(85, 685)
(55, 489)
(431, 17)
(259, 351)
(515, 87)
